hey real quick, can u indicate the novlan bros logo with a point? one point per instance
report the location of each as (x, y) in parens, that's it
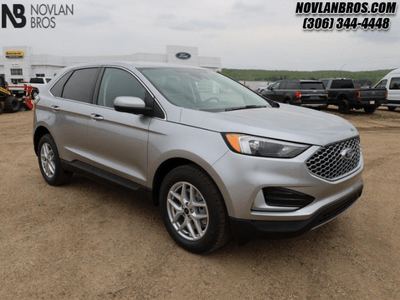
(17, 17)
(41, 16)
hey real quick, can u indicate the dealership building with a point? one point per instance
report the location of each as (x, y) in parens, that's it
(19, 63)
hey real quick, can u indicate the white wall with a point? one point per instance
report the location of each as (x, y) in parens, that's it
(48, 64)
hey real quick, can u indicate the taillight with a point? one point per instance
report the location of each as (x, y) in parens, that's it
(298, 95)
(358, 95)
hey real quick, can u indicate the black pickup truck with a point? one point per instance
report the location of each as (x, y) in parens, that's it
(298, 92)
(342, 93)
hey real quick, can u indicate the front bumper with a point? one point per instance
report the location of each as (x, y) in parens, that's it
(241, 228)
(242, 178)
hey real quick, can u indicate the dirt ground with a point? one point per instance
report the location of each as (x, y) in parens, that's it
(88, 241)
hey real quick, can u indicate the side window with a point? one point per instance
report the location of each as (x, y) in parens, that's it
(276, 86)
(80, 85)
(395, 83)
(58, 88)
(116, 83)
(292, 86)
(381, 84)
(283, 85)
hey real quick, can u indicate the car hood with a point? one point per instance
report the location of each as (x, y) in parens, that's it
(289, 123)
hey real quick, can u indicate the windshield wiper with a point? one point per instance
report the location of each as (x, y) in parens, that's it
(245, 107)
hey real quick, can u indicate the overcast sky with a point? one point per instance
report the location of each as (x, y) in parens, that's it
(245, 34)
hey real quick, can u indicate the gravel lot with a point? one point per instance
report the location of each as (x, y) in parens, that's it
(88, 241)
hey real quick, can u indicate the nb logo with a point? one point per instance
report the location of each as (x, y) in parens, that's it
(17, 17)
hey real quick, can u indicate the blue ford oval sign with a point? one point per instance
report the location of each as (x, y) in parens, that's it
(183, 55)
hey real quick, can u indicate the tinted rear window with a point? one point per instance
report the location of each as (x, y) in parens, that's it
(80, 85)
(36, 80)
(58, 88)
(312, 86)
(293, 85)
(342, 84)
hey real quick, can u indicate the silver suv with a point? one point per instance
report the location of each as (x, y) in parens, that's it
(218, 159)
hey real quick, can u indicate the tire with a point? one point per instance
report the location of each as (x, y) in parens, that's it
(369, 109)
(200, 224)
(391, 108)
(50, 164)
(286, 101)
(26, 107)
(11, 104)
(1, 108)
(34, 93)
(344, 106)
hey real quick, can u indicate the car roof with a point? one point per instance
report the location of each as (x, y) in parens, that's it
(134, 64)
(126, 64)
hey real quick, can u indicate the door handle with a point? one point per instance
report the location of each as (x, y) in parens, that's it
(97, 117)
(55, 108)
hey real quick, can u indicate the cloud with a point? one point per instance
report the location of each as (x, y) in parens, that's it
(246, 9)
(198, 25)
(174, 22)
(390, 36)
(244, 33)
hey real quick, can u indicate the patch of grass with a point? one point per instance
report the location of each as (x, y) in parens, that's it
(368, 78)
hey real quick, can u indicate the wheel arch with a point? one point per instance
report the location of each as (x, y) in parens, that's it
(342, 96)
(165, 168)
(39, 132)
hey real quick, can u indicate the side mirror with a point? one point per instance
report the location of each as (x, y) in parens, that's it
(131, 105)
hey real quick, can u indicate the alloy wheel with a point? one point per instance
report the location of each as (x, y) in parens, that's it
(47, 160)
(187, 211)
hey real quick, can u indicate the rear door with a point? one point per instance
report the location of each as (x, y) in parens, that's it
(118, 140)
(68, 112)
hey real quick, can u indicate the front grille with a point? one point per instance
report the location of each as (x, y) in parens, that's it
(329, 163)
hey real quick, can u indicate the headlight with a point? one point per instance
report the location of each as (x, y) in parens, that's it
(258, 146)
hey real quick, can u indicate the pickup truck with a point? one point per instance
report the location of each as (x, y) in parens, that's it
(298, 92)
(342, 93)
(36, 82)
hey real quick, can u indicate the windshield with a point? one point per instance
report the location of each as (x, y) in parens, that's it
(201, 89)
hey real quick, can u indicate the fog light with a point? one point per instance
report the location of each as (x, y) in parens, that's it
(277, 196)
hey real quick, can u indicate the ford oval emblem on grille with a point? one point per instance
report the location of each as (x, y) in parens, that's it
(347, 153)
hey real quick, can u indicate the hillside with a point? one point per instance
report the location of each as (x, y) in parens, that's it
(361, 78)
